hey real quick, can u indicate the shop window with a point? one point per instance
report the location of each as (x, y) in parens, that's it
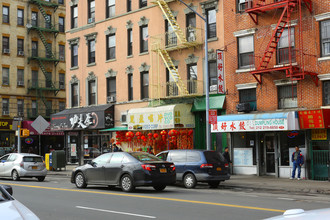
(326, 92)
(247, 141)
(287, 96)
(290, 139)
(248, 96)
(325, 38)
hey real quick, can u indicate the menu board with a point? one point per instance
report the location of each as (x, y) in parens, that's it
(243, 156)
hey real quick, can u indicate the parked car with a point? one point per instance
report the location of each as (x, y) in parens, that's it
(194, 166)
(11, 209)
(300, 214)
(18, 165)
(125, 169)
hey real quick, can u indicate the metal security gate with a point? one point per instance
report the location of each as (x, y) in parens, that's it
(320, 160)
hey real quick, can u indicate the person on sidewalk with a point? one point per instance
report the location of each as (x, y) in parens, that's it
(226, 155)
(297, 160)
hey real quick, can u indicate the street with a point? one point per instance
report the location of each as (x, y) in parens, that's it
(57, 198)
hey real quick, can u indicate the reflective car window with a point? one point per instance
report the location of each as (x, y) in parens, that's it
(163, 156)
(193, 156)
(126, 160)
(4, 158)
(12, 157)
(141, 156)
(178, 156)
(32, 159)
(103, 159)
(116, 158)
(213, 157)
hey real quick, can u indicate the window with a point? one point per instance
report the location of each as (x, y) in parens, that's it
(246, 51)
(91, 11)
(5, 76)
(129, 5)
(48, 19)
(20, 107)
(213, 76)
(170, 37)
(171, 86)
(61, 24)
(111, 8)
(211, 23)
(74, 16)
(5, 106)
(49, 80)
(61, 51)
(34, 108)
(129, 42)
(143, 3)
(325, 38)
(326, 92)
(248, 96)
(34, 48)
(34, 78)
(61, 78)
(130, 87)
(92, 92)
(192, 78)
(5, 45)
(242, 5)
(61, 2)
(116, 158)
(61, 106)
(191, 26)
(111, 46)
(144, 38)
(20, 47)
(103, 159)
(20, 17)
(49, 107)
(283, 47)
(5, 14)
(287, 96)
(34, 19)
(75, 95)
(111, 89)
(74, 55)
(144, 85)
(178, 156)
(20, 77)
(91, 51)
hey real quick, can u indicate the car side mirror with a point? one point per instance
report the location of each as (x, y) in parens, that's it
(9, 189)
(2, 161)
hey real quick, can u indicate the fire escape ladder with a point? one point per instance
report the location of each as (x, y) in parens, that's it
(44, 71)
(272, 45)
(171, 20)
(309, 5)
(173, 71)
(49, 52)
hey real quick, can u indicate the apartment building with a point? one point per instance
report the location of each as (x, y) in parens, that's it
(139, 65)
(277, 75)
(32, 70)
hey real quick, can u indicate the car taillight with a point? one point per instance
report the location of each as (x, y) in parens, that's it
(21, 164)
(206, 165)
(148, 167)
(172, 167)
(226, 165)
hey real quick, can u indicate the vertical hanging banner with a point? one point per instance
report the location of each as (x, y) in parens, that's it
(221, 72)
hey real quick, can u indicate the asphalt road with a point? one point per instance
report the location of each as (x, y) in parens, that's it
(56, 198)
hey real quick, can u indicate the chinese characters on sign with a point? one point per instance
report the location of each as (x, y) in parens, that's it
(220, 72)
(311, 119)
(319, 134)
(250, 125)
(213, 116)
(81, 121)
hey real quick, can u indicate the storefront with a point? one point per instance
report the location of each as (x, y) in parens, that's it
(262, 144)
(7, 136)
(317, 126)
(83, 139)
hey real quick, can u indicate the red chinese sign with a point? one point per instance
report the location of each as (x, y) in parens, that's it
(213, 116)
(220, 72)
(311, 119)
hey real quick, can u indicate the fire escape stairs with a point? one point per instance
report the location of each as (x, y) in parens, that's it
(44, 71)
(42, 3)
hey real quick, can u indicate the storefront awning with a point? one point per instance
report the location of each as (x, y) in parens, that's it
(116, 129)
(85, 118)
(215, 102)
(162, 117)
(27, 125)
(314, 119)
(278, 121)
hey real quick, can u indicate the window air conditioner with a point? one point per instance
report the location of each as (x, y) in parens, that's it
(243, 107)
(20, 83)
(61, 58)
(5, 112)
(6, 51)
(111, 99)
(21, 53)
(123, 118)
(213, 88)
(91, 20)
(245, 5)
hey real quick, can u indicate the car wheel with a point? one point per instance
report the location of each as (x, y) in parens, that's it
(214, 184)
(41, 178)
(159, 187)
(189, 181)
(126, 183)
(80, 181)
(14, 175)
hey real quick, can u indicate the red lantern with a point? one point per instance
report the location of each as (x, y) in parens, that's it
(164, 137)
(163, 132)
(150, 135)
(173, 138)
(190, 132)
(138, 134)
(155, 135)
(173, 132)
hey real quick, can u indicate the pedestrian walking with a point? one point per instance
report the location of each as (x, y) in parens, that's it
(226, 155)
(298, 160)
(115, 148)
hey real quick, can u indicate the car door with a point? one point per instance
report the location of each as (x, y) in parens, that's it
(9, 165)
(114, 169)
(178, 157)
(3, 159)
(95, 172)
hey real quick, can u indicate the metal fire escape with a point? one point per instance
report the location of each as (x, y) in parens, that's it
(43, 29)
(256, 8)
(182, 42)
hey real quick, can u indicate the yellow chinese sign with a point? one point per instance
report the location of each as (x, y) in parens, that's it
(319, 134)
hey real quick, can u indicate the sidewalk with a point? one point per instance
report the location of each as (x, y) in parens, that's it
(251, 182)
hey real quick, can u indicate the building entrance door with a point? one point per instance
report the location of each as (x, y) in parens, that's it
(270, 154)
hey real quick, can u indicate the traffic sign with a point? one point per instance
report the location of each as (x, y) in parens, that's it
(40, 124)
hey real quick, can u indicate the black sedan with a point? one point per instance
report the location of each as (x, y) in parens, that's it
(127, 170)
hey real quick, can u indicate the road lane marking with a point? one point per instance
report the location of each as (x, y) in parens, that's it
(121, 213)
(150, 197)
(282, 198)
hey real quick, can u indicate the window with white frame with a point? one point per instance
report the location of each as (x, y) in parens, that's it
(213, 76)
(5, 14)
(111, 46)
(283, 55)
(287, 96)
(74, 55)
(325, 38)
(20, 17)
(111, 89)
(248, 96)
(110, 8)
(192, 78)
(34, 110)
(211, 23)
(144, 85)
(5, 106)
(91, 92)
(91, 51)
(74, 16)
(5, 76)
(61, 80)
(74, 95)
(20, 77)
(20, 107)
(91, 11)
(245, 51)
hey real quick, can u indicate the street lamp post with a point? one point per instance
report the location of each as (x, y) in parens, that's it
(206, 78)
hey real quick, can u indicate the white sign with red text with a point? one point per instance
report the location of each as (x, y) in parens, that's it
(220, 72)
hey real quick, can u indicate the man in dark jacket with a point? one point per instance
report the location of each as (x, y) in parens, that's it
(297, 160)
(226, 155)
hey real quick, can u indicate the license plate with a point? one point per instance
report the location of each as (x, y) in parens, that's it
(163, 170)
(218, 168)
(34, 167)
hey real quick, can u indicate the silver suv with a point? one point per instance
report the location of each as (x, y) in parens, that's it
(17, 165)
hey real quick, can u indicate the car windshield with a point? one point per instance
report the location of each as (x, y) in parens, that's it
(213, 157)
(32, 159)
(140, 156)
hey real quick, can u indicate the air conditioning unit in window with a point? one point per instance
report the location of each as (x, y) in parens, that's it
(20, 83)
(21, 53)
(213, 88)
(243, 107)
(62, 86)
(61, 58)
(111, 99)
(5, 112)
(91, 20)
(245, 5)
(123, 118)
(6, 51)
